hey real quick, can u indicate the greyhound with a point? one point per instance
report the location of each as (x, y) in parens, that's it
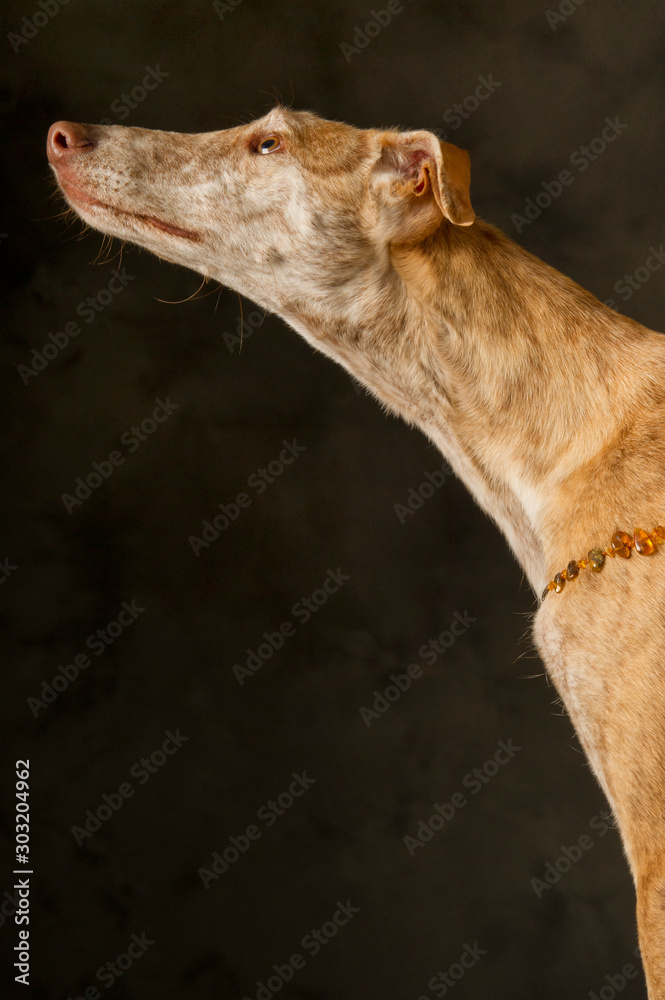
(549, 405)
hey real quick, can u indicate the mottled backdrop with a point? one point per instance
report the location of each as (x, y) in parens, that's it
(251, 772)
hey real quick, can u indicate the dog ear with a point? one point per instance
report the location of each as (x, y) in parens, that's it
(421, 180)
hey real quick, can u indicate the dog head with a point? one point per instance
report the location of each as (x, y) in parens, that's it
(287, 208)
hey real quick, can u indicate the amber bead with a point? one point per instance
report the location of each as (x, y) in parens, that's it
(621, 544)
(643, 542)
(596, 560)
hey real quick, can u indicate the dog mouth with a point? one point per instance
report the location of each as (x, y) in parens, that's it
(82, 200)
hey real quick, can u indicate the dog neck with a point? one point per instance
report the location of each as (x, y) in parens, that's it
(515, 372)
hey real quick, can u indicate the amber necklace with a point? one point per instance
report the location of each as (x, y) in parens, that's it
(621, 545)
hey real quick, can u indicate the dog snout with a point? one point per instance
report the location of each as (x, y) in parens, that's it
(67, 140)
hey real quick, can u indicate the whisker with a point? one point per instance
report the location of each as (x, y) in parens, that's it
(242, 324)
(101, 249)
(119, 253)
(178, 302)
(58, 215)
(109, 249)
(76, 236)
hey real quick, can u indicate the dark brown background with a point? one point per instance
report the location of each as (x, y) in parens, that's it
(334, 507)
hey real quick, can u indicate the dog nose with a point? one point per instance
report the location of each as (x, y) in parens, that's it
(66, 139)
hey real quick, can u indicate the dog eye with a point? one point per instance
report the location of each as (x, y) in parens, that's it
(270, 144)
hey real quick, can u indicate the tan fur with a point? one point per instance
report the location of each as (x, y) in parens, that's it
(549, 405)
